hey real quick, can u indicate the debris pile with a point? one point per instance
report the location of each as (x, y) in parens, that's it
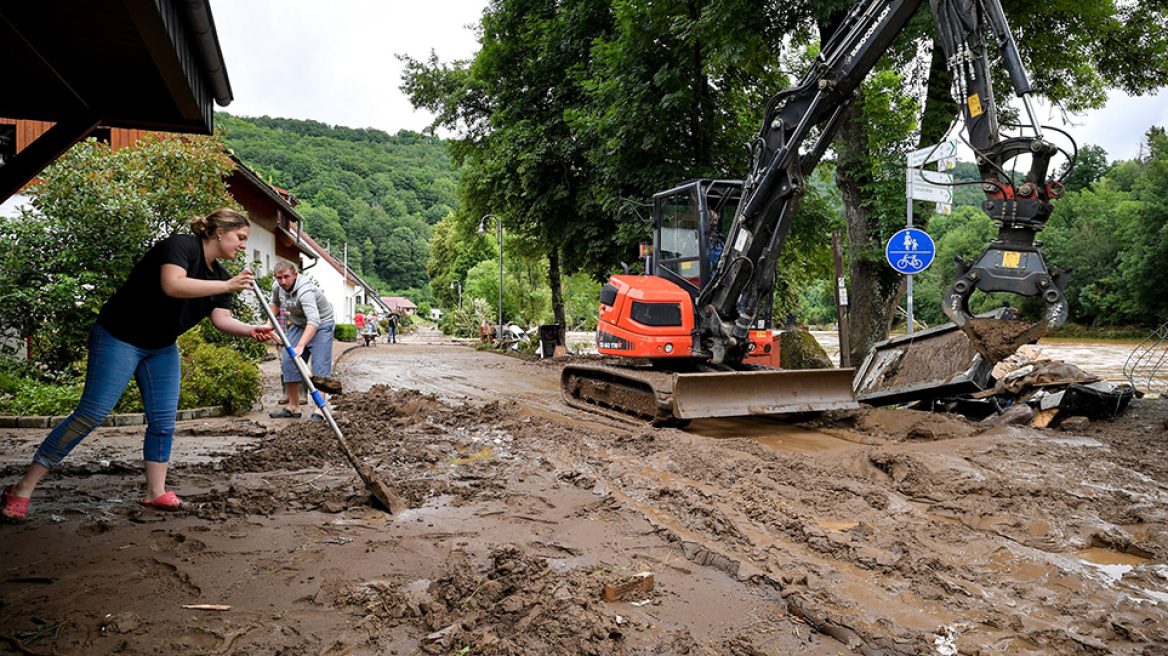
(939, 370)
(1042, 392)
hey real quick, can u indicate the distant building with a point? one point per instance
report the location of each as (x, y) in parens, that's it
(400, 304)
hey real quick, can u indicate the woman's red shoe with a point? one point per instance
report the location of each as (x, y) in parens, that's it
(15, 508)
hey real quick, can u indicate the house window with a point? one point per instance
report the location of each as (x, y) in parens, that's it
(257, 256)
(101, 135)
(267, 262)
(7, 142)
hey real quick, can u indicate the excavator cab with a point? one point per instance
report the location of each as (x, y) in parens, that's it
(690, 223)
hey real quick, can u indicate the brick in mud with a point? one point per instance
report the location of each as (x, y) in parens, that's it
(637, 585)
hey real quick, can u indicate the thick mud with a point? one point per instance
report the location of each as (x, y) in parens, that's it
(876, 532)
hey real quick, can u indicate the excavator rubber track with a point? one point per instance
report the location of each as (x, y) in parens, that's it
(624, 393)
(672, 399)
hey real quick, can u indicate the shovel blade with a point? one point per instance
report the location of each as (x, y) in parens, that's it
(380, 491)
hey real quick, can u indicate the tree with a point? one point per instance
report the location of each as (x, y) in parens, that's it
(355, 186)
(870, 177)
(1093, 215)
(95, 213)
(1142, 264)
(520, 160)
(1091, 165)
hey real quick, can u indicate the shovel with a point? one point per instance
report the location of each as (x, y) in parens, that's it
(390, 501)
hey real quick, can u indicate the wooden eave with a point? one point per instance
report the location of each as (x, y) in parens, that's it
(138, 64)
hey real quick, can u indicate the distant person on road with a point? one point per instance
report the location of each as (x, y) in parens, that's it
(310, 332)
(359, 322)
(371, 323)
(179, 282)
(391, 327)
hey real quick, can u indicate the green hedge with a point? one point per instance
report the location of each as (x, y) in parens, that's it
(212, 375)
(345, 332)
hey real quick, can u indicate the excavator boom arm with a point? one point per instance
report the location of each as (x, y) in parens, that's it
(814, 109)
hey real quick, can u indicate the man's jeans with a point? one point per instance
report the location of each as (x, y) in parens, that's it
(318, 352)
(110, 366)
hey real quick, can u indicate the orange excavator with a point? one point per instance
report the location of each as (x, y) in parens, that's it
(692, 338)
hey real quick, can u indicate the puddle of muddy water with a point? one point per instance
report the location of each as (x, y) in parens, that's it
(1112, 564)
(836, 525)
(776, 435)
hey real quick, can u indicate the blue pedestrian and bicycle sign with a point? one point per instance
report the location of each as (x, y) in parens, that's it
(910, 251)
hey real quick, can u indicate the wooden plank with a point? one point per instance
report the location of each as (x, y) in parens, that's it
(641, 584)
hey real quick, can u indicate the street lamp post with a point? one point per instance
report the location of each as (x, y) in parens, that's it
(459, 283)
(499, 237)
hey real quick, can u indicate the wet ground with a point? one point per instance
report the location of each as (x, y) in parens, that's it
(876, 532)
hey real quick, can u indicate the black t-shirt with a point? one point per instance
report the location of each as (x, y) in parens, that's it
(139, 313)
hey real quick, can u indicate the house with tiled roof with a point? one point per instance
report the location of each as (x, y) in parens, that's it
(400, 304)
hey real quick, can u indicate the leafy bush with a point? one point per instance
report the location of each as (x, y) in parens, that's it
(345, 332)
(30, 398)
(215, 375)
(465, 321)
(244, 307)
(212, 375)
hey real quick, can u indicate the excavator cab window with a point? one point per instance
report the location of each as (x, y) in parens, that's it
(691, 224)
(679, 233)
(721, 203)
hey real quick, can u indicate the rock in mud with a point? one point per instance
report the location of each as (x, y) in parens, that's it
(799, 350)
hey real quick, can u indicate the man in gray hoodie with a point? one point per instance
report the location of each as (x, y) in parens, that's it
(310, 332)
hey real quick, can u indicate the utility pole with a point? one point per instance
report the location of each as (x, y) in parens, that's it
(841, 302)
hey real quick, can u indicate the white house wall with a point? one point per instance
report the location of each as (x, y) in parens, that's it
(261, 247)
(332, 283)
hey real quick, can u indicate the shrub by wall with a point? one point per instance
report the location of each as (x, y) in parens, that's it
(212, 375)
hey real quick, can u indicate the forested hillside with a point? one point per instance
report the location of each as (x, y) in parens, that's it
(379, 193)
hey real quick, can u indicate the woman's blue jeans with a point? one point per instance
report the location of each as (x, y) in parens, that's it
(111, 364)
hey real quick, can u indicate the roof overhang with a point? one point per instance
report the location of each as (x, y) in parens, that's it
(138, 64)
(293, 239)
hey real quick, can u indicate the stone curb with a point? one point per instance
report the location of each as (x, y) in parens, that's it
(133, 419)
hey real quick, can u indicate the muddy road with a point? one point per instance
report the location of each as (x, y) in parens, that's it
(875, 532)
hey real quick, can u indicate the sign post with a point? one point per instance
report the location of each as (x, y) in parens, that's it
(841, 301)
(934, 187)
(910, 252)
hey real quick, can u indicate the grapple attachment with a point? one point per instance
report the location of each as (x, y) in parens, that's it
(1003, 268)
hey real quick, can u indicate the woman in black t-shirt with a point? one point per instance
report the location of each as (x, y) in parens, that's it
(176, 284)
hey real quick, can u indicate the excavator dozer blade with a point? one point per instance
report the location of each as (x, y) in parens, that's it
(740, 393)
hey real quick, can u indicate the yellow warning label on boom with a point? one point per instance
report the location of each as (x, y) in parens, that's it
(1011, 259)
(974, 105)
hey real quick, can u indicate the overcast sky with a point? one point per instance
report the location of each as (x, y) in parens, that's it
(335, 62)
